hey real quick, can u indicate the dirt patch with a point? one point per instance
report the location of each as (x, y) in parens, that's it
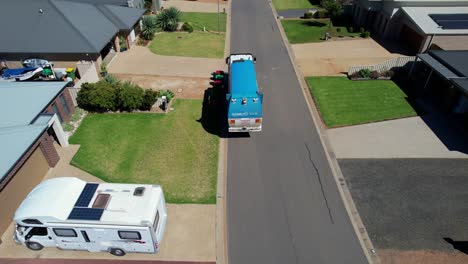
(183, 87)
(421, 257)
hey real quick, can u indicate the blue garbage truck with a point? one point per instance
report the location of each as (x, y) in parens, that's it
(244, 100)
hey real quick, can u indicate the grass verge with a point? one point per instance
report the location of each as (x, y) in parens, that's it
(196, 44)
(295, 4)
(207, 20)
(172, 150)
(343, 102)
(313, 30)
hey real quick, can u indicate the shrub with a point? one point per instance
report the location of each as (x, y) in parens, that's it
(148, 27)
(333, 8)
(187, 27)
(308, 15)
(97, 97)
(168, 19)
(321, 14)
(111, 79)
(388, 73)
(350, 29)
(168, 93)
(338, 30)
(149, 98)
(361, 30)
(365, 34)
(374, 75)
(364, 73)
(129, 96)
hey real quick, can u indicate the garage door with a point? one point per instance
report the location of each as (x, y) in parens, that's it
(27, 177)
(412, 39)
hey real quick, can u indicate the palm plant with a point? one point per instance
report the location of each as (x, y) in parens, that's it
(148, 28)
(167, 20)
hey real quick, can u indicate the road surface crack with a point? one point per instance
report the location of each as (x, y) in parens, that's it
(319, 178)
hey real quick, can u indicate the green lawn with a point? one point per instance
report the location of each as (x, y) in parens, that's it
(304, 31)
(295, 4)
(344, 102)
(196, 44)
(172, 150)
(207, 20)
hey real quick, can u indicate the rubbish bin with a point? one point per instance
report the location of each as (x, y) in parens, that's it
(71, 73)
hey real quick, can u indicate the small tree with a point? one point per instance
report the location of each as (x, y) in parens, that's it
(168, 19)
(334, 8)
(97, 97)
(130, 96)
(149, 98)
(148, 27)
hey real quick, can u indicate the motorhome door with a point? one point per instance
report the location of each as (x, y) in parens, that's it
(68, 238)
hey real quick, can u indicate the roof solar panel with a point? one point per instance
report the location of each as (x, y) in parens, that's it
(451, 21)
(86, 195)
(79, 213)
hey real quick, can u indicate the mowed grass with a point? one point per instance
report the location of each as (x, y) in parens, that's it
(344, 102)
(171, 150)
(295, 4)
(207, 20)
(305, 31)
(196, 44)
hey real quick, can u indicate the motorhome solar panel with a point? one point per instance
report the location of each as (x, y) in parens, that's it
(86, 195)
(80, 213)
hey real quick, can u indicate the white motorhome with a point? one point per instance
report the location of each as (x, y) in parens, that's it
(69, 213)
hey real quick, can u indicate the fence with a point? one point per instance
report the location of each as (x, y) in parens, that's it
(384, 66)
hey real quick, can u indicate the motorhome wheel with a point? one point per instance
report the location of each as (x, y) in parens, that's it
(34, 246)
(117, 252)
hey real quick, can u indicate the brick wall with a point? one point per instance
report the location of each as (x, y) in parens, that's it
(58, 103)
(45, 142)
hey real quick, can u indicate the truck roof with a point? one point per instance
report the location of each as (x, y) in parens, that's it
(243, 79)
(70, 199)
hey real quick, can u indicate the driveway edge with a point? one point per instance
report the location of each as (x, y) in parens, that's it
(353, 214)
(221, 217)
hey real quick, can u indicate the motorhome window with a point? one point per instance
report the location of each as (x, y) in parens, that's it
(101, 200)
(156, 221)
(65, 232)
(32, 221)
(39, 231)
(129, 235)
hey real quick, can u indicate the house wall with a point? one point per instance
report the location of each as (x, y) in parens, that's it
(61, 109)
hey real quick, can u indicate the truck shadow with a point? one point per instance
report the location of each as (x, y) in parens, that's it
(214, 111)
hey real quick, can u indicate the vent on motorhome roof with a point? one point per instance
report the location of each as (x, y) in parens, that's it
(101, 200)
(139, 191)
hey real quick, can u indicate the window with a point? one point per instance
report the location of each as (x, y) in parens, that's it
(37, 231)
(65, 232)
(129, 235)
(64, 104)
(32, 221)
(55, 109)
(139, 191)
(156, 222)
(101, 201)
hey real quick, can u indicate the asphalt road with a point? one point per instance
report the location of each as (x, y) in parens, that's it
(283, 202)
(410, 204)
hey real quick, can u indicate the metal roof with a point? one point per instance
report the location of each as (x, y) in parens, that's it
(243, 79)
(455, 60)
(21, 103)
(462, 84)
(61, 26)
(421, 18)
(437, 66)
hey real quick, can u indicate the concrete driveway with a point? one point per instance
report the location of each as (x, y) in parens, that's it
(335, 57)
(140, 60)
(414, 137)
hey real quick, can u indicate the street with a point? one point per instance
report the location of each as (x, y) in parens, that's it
(283, 205)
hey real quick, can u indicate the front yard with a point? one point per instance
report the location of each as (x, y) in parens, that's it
(172, 150)
(207, 20)
(313, 30)
(295, 4)
(196, 44)
(343, 102)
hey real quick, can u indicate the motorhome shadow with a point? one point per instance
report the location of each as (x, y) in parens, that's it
(69, 213)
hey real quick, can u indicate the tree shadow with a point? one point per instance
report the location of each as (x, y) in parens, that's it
(311, 23)
(461, 246)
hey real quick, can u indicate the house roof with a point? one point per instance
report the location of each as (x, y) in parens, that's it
(21, 121)
(421, 17)
(61, 26)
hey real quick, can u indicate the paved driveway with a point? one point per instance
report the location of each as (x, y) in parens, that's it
(412, 208)
(414, 137)
(141, 61)
(335, 57)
